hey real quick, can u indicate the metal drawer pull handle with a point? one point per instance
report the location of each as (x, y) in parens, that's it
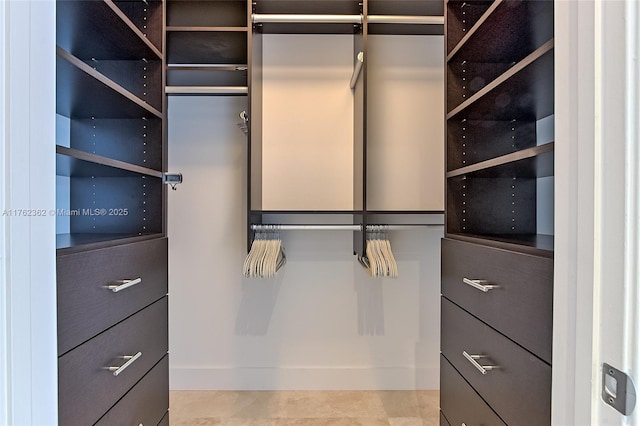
(130, 360)
(481, 368)
(482, 285)
(124, 284)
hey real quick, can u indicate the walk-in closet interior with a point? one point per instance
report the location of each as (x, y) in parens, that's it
(304, 195)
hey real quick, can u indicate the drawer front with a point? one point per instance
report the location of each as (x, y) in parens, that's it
(460, 403)
(146, 403)
(443, 421)
(521, 307)
(519, 390)
(164, 421)
(87, 389)
(87, 307)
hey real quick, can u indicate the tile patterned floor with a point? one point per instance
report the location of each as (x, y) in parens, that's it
(304, 408)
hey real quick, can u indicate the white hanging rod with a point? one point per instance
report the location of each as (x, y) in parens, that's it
(306, 227)
(371, 228)
(260, 18)
(400, 19)
(357, 70)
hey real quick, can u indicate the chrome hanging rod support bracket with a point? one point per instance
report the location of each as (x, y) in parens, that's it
(263, 18)
(357, 70)
(400, 19)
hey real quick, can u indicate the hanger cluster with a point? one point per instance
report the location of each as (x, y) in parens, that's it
(382, 263)
(265, 258)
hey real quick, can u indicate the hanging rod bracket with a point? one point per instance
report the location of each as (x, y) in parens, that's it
(357, 70)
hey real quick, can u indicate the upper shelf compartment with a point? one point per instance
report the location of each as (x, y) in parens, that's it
(524, 92)
(514, 29)
(207, 47)
(101, 30)
(188, 13)
(462, 15)
(75, 80)
(412, 17)
(345, 16)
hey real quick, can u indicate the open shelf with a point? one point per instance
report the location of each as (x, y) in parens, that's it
(75, 80)
(525, 92)
(206, 13)
(147, 16)
(529, 22)
(100, 29)
(498, 205)
(480, 57)
(132, 140)
(207, 75)
(325, 7)
(207, 47)
(531, 162)
(461, 16)
(75, 163)
(405, 8)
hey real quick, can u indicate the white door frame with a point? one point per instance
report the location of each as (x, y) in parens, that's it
(29, 359)
(4, 370)
(597, 205)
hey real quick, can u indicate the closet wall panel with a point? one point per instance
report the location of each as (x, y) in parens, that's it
(405, 128)
(322, 323)
(307, 113)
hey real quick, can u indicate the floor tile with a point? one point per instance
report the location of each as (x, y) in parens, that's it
(330, 404)
(400, 403)
(304, 408)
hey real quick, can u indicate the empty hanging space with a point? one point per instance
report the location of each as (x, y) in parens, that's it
(405, 130)
(307, 122)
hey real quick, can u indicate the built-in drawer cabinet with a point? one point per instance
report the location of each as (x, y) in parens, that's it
(96, 374)
(518, 388)
(459, 403)
(146, 403)
(510, 291)
(99, 288)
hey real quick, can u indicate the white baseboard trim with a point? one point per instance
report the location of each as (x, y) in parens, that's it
(304, 378)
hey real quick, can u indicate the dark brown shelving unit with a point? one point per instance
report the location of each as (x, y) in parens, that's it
(110, 217)
(206, 46)
(498, 245)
